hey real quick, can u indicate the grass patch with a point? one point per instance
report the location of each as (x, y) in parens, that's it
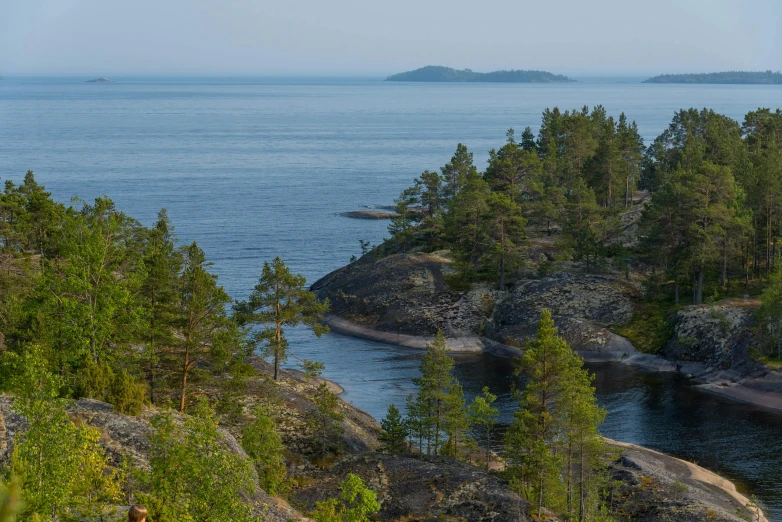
(649, 329)
(772, 362)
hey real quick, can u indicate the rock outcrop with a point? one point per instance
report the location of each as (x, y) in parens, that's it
(717, 335)
(414, 489)
(583, 306)
(656, 487)
(405, 294)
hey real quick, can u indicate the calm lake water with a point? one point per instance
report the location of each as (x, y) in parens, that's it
(255, 168)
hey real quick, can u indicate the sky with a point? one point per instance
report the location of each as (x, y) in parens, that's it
(374, 37)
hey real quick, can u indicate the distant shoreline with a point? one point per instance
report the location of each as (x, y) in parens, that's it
(721, 78)
(440, 74)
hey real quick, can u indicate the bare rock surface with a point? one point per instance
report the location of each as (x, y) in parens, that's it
(717, 334)
(420, 490)
(405, 295)
(583, 307)
(657, 487)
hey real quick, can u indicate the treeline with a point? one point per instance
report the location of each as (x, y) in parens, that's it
(712, 219)
(553, 453)
(118, 311)
(580, 170)
(93, 304)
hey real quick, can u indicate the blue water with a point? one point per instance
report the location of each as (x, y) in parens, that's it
(255, 168)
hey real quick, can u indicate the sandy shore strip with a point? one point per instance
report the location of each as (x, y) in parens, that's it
(741, 393)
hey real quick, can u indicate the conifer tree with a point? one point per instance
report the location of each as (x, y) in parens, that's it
(280, 300)
(394, 435)
(554, 433)
(325, 418)
(205, 326)
(483, 416)
(158, 293)
(440, 400)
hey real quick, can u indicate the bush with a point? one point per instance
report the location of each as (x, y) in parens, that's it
(196, 475)
(650, 328)
(263, 444)
(127, 394)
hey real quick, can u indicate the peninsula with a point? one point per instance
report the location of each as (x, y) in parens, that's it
(728, 77)
(438, 73)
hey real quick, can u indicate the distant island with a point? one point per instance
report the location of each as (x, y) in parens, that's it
(437, 73)
(100, 80)
(729, 77)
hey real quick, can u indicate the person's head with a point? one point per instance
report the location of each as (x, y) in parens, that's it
(137, 514)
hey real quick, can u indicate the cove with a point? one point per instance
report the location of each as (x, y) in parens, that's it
(661, 411)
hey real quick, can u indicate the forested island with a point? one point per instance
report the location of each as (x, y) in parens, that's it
(436, 73)
(729, 77)
(129, 375)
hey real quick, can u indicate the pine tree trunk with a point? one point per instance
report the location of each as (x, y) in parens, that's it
(502, 271)
(277, 348)
(185, 369)
(676, 291)
(697, 297)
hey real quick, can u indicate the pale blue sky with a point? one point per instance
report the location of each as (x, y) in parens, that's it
(371, 37)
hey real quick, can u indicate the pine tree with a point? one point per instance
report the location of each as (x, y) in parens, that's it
(456, 172)
(204, 322)
(483, 417)
(325, 418)
(280, 300)
(394, 435)
(440, 402)
(553, 446)
(505, 231)
(158, 293)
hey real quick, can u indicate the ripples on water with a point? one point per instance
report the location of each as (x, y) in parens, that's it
(254, 168)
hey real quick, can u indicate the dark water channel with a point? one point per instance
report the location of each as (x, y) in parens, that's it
(656, 410)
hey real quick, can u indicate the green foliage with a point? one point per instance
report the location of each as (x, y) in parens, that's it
(324, 419)
(280, 300)
(437, 414)
(356, 503)
(61, 467)
(650, 327)
(127, 394)
(483, 417)
(264, 446)
(553, 449)
(394, 435)
(770, 313)
(10, 500)
(313, 369)
(195, 476)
